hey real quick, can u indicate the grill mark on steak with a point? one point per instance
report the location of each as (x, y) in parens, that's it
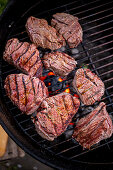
(86, 90)
(16, 49)
(55, 127)
(22, 54)
(92, 118)
(33, 86)
(10, 42)
(38, 71)
(94, 94)
(58, 112)
(89, 78)
(88, 139)
(30, 57)
(24, 90)
(60, 21)
(65, 104)
(38, 59)
(9, 86)
(17, 88)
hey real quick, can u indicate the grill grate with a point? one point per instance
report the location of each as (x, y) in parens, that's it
(96, 50)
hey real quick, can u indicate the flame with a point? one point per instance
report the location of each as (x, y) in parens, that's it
(60, 80)
(75, 95)
(50, 74)
(67, 90)
(43, 78)
(49, 84)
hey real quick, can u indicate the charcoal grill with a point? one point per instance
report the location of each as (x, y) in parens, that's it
(96, 50)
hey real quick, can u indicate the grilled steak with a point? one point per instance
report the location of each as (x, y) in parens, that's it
(43, 35)
(24, 56)
(68, 26)
(25, 92)
(89, 86)
(93, 128)
(57, 112)
(60, 63)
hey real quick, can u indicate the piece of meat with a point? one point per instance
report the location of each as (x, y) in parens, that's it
(24, 56)
(43, 35)
(88, 85)
(68, 26)
(25, 92)
(55, 115)
(93, 128)
(60, 63)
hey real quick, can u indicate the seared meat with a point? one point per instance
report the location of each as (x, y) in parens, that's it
(57, 112)
(68, 26)
(25, 92)
(60, 63)
(43, 35)
(24, 56)
(93, 128)
(89, 86)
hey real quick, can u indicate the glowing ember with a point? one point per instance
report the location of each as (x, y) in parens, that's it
(49, 84)
(75, 95)
(50, 74)
(71, 124)
(67, 90)
(67, 85)
(60, 79)
(43, 78)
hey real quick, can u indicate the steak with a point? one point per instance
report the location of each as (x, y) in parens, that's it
(25, 92)
(60, 63)
(93, 128)
(88, 85)
(68, 26)
(43, 35)
(24, 56)
(55, 115)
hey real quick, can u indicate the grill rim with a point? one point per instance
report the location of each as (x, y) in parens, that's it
(19, 141)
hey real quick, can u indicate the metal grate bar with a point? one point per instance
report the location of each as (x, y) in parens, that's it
(97, 19)
(104, 58)
(108, 80)
(99, 25)
(97, 39)
(90, 9)
(105, 73)
(103, 66)
(94, 14)
(86, 151)
(99, 32)
(106, 43)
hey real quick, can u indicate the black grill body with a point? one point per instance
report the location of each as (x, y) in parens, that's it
(96, 50)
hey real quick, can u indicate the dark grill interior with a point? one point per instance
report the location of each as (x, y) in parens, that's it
(96, 50)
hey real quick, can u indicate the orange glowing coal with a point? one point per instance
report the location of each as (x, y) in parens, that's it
(50, 74)
(71, 123)
(75, 95)
(49, 84)
(67, 90)
(43, 78)
(60, 79)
